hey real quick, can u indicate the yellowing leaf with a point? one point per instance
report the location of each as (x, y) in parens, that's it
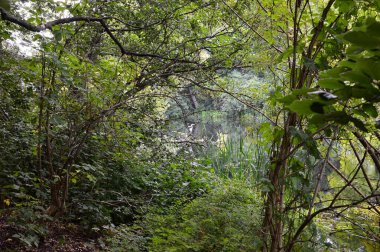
(7, 202)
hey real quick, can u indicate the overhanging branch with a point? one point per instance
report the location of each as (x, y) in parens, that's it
(101, 20)
(47, 26)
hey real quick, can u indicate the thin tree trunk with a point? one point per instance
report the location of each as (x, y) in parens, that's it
(273, 224)
(40, 119)
(193, 99)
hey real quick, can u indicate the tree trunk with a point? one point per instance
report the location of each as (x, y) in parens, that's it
(273, 223)
(57, 201)
(193, 99)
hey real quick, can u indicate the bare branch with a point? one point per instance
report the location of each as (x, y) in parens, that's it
(349, 182)
(322, 210)
(323, 167)
(371, 150)
(361, 166)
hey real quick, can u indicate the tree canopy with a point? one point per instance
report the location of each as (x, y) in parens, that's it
(203, 125)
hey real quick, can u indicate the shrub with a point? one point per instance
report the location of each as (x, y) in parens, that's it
(226, 219)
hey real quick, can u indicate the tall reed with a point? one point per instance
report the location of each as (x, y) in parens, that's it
(238, 155)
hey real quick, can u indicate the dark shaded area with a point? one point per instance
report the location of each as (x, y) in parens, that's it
(61, 237)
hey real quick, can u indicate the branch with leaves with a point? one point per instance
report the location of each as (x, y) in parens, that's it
(5, 15)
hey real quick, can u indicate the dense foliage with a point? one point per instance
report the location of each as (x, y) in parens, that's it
(178, 125)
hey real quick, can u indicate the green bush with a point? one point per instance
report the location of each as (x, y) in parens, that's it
(226, 219)
(125, 238)
(30, 224)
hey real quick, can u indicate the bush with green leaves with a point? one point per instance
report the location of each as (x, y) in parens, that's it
(177, 181)
(225, 219)
(30, 223)
(125, 238)
(131, 187)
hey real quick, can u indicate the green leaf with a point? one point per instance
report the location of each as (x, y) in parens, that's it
(317, 107)
(338, 117)
(285, 54)
(57, 35)
(331, 83)
(277, 134)
(345, 93)
(356, 77)
(328, 132)
(374, 29)
(298, 133)
(332, 73)
(301, 107)
(368, 93)
(344, 5)
(309, 142)
(362, 39)
(303, 91)
(5, 4)
(360, 112)
(370, 109)
(288, 99)
(370, 67)
(358, 124)
(307, 107)
(60, 9)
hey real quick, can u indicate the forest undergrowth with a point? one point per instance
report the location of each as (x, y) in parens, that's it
(190, 125)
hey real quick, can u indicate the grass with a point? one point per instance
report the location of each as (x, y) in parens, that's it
(238, 155)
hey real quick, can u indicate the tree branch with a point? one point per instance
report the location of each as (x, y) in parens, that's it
(49, 25)
(325, 209)
(371, 150)
(251, 28)
(349, 182)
